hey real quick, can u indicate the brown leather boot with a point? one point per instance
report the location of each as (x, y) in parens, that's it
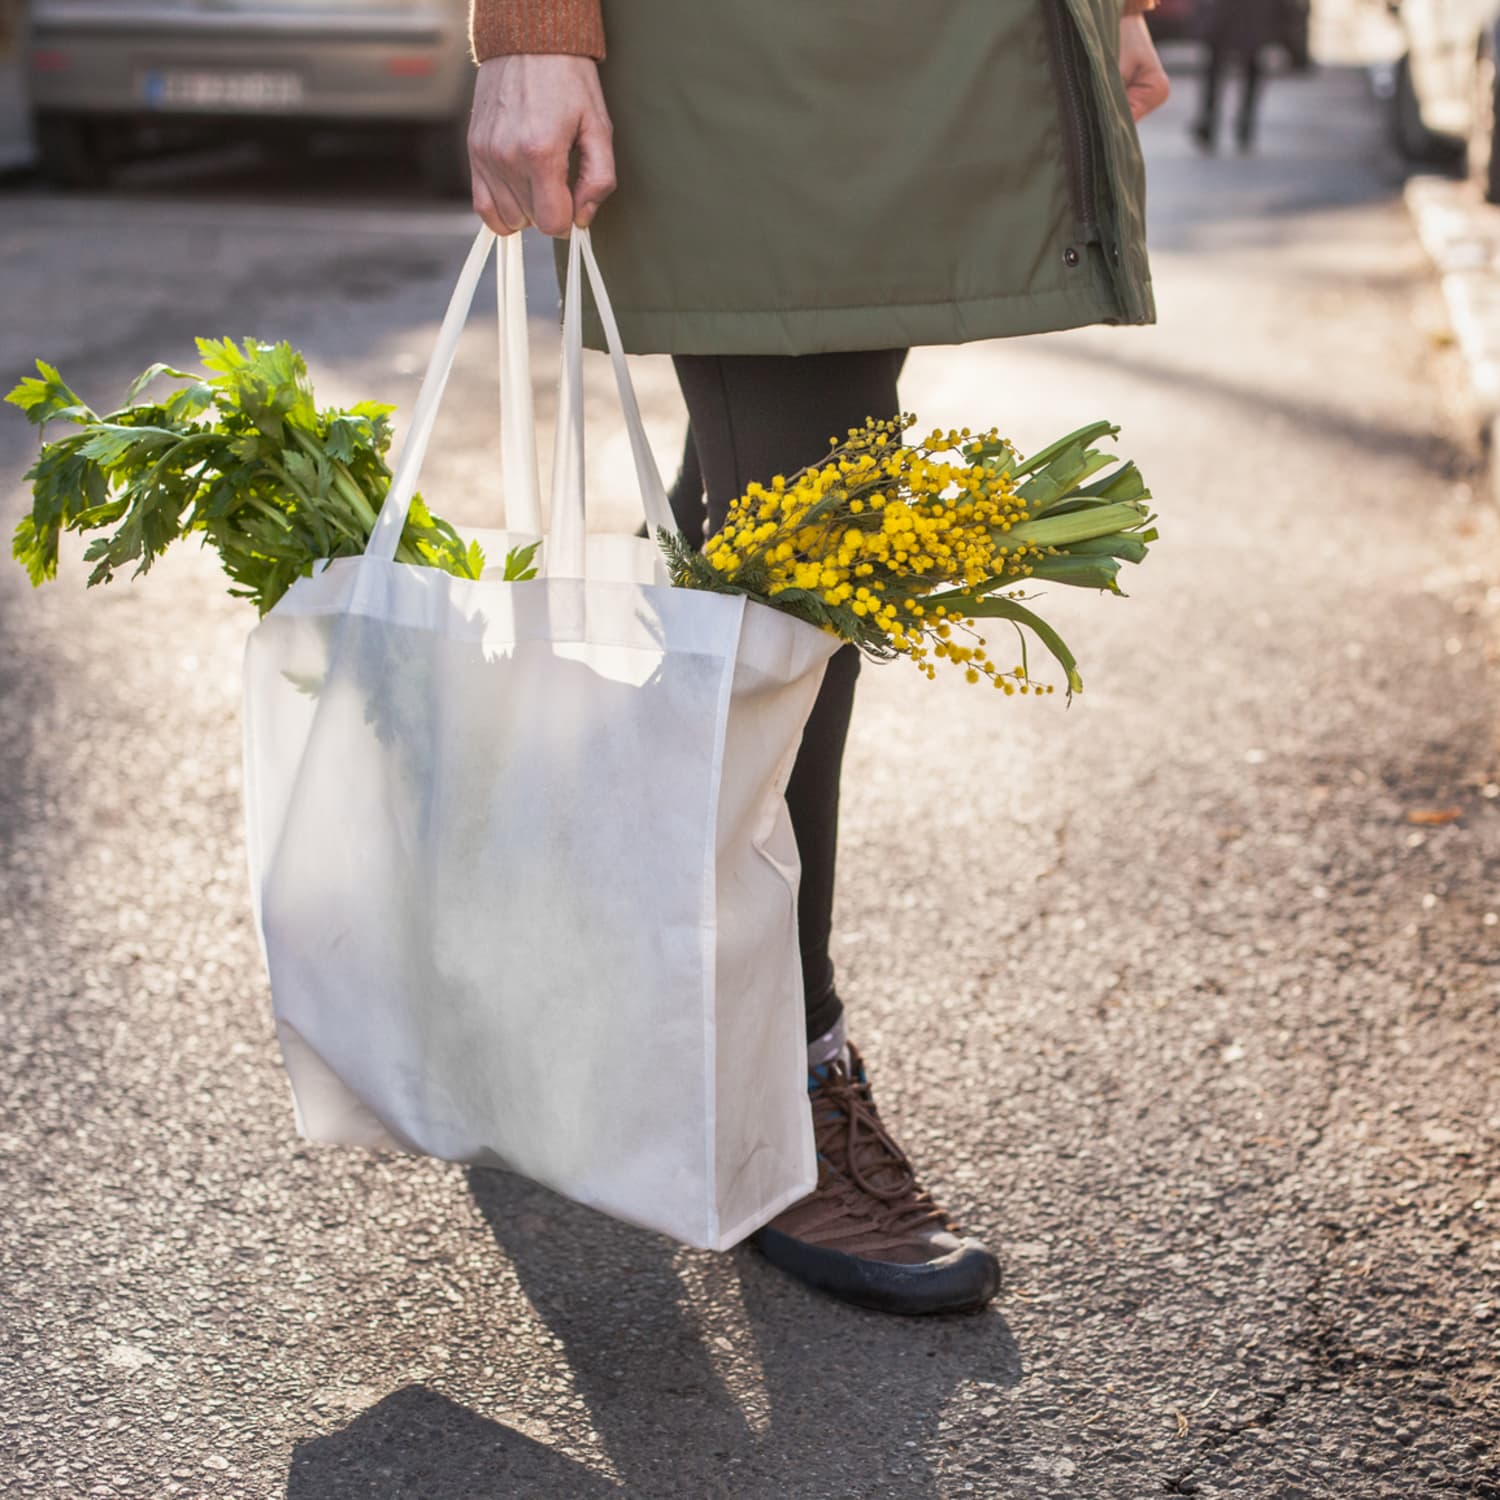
(867, 1233)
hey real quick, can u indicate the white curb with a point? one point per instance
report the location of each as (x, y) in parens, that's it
(1461, 235)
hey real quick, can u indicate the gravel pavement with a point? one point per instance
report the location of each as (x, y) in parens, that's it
(1167, 992)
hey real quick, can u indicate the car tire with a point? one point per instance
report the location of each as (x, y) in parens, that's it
(70, 150)
(444, 158)
(1484, 137)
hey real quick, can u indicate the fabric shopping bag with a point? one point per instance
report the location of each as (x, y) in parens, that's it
(520, 856)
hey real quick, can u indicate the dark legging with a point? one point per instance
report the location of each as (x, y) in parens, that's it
(754, 416)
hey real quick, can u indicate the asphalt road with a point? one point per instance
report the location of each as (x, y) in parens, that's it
(1166, 993)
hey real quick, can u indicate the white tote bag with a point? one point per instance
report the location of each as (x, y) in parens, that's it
(521, 859)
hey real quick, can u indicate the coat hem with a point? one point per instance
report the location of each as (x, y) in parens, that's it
(846, 329)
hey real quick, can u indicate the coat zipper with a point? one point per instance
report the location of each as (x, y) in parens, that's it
(1078, 134)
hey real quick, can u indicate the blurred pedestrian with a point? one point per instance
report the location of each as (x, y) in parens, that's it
(1236, 34)
(805, 192)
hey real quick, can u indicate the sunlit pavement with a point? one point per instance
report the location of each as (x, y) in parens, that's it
(1167, 993)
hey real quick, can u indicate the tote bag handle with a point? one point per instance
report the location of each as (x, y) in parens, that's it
(565, 541)
(564, 556)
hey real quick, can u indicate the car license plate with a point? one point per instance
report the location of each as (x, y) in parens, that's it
(205, 89)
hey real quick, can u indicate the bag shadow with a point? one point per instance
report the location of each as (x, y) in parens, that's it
(417, 1442)
(771, 1388)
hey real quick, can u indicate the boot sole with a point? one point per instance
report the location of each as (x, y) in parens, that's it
(965, 1280)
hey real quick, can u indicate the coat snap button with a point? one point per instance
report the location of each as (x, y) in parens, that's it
(1114, 254)
(1070, 257)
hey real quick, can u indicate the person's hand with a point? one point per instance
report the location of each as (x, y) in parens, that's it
(1146, 84)
(530, 113)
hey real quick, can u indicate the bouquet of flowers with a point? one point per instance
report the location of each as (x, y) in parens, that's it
(900, 548)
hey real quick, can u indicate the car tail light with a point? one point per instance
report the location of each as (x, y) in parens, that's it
(418, 65)
(49, 60)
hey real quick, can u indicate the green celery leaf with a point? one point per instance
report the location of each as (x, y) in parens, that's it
(48, 399)
(145, 378)
(190, 402)
(110, 445)
(35, 548)
(518, 563)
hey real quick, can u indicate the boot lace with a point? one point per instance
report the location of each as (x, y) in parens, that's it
(855, 1145)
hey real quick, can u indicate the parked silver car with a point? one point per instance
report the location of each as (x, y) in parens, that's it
(99, 69)
(1444, 88)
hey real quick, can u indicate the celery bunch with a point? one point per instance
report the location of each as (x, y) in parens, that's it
(239, 455)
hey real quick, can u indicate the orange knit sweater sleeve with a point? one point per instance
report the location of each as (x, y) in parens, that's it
(498, 28)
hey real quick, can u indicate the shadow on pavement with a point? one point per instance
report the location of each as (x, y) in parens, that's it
(1376, 435)
(417, 1445)
(807, 1389)
(799, 1396)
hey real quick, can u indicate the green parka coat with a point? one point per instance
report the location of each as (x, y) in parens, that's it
(797, 176)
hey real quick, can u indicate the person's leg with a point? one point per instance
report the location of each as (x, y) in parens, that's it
(812, 797)
(753, 417)
(686, 494)
(1249, 100)
(1206, 127)
(868, 1233)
